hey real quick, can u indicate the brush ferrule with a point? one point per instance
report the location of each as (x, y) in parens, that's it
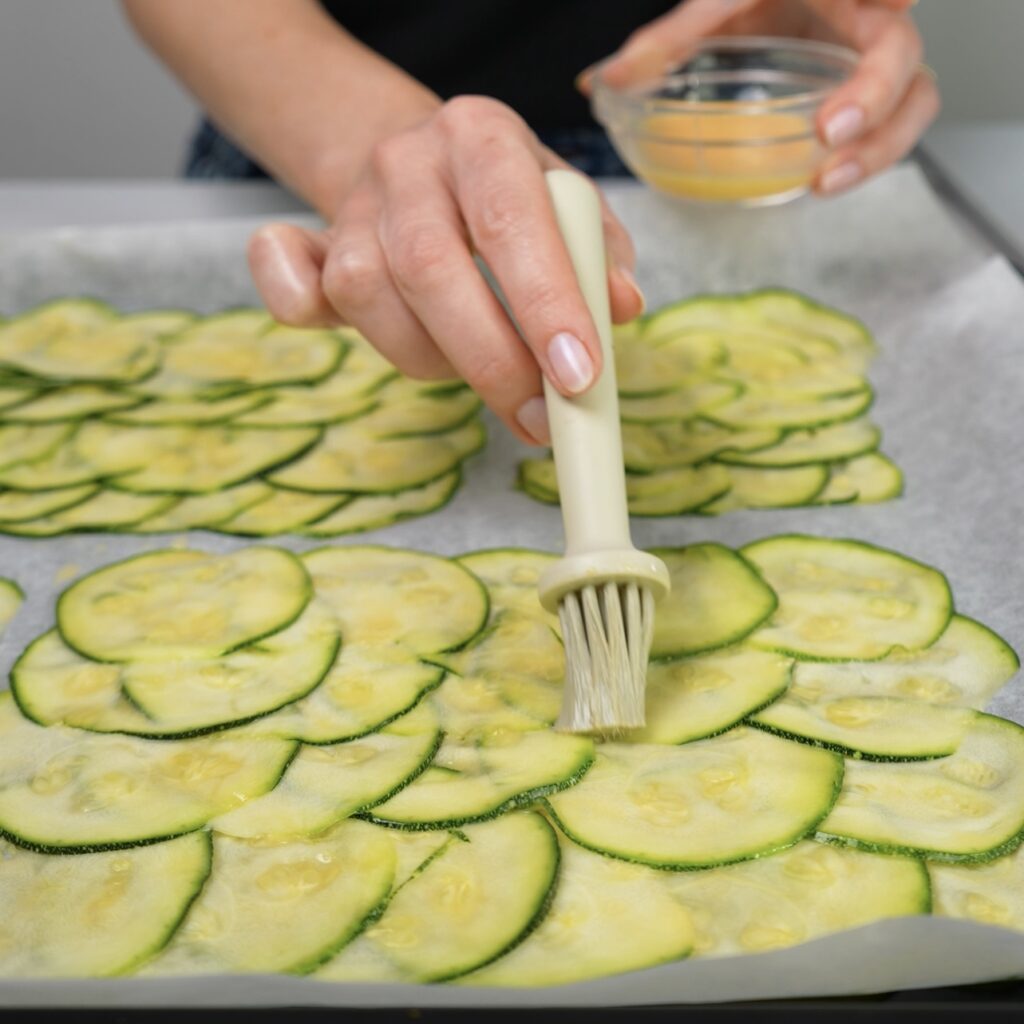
(593, 568)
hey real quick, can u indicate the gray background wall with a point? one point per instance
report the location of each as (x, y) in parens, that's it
(79, 97)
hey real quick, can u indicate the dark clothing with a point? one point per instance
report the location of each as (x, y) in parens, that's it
(525, 53)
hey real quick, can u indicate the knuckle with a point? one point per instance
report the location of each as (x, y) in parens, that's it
(352, 277)
(498, 215)
(419, 254)
(467, 113)
(388, 154)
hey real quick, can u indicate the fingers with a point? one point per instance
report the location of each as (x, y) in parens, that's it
(887, 144)
(358, 284)
(286, 262)
(500, 189)
(664, 42)
(878, 86)
(424, 241)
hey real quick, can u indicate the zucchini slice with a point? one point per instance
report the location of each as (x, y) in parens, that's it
(511, 576)
(879, 728)
(19, 506)
(241, 685)
(606, 918)
(187, 412)
(658, 362)
(324, 784)
(280, 409)
(77, 340)
(281, 512)
(664, 493)
(797, 895)
(965, 667)
(98, 914)
(777, 408)
(366, 688)
(805, 447)
(866, 479)
(65, 466)
(350, 458)
(409, 407)
(477, 899)
(647, 447)
(760, 487)
(196, 511)
(717, 598)
(26, 442)
(242, 349)
(67, 791)
(965, 807)
(104, 510)
(691, 698)
(12, 395)
(74, 402)
(281, 906)
(487, 764)
(843, 599)
(182, 604)
(11, 597)
(991, 893)
(390, 597)
(694, 398)
(187, 460)
(738, 796)
(363, 512)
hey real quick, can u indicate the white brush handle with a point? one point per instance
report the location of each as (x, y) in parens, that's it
(585, 429)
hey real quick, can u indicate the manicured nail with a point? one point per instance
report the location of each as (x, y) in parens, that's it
(844, 125)
(841, 177)
(533, 418)
(571, 362)
(627, 275)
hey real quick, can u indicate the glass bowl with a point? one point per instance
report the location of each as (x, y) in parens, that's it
(734, 124)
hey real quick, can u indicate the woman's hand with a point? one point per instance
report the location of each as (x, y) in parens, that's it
(398, 264)
(869, 122)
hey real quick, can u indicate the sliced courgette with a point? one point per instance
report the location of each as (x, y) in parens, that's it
(281, 512)
(734, 797)
(476, 900)
(647, 448)
(19, 506)
(761, 487)
(788, 411)
(325, 784)
(104, 510)
(717, 598)
(11, 597)
(363, 512)
(690, 698)
(188, 412)
(195, 511)
(844, 599)
(69, 791)
(27, 442)
(97, 914)
(803, 447)
(281, 906)
(179, 604)
(797, 895)
(865, 479)
(74, 402)
(606, 918)
(991, 893)
(965, 807)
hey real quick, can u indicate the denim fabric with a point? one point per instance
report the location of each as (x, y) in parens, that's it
(211, 155)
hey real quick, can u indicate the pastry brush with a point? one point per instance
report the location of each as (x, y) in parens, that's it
(603, 589)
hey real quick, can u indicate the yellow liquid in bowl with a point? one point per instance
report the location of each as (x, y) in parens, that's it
(728, 157)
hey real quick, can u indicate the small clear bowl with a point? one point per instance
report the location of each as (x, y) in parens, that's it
(734, 124)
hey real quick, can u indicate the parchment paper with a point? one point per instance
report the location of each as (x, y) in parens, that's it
(949, 317)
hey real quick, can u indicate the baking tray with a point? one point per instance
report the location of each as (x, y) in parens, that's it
(947, 312)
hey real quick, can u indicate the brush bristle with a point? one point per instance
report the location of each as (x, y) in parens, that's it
(607, 631)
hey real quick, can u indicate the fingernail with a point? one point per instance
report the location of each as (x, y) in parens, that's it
(627, 275)
(571, 362)
(841, 177)
(533, 418)
(844, 125)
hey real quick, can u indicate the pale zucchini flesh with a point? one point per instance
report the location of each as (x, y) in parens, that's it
(281, 906)
(734, 797)
(990, 893)
(96, 914)
(474, 901)
(11, 598)
(843, 600)
(182, 603)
